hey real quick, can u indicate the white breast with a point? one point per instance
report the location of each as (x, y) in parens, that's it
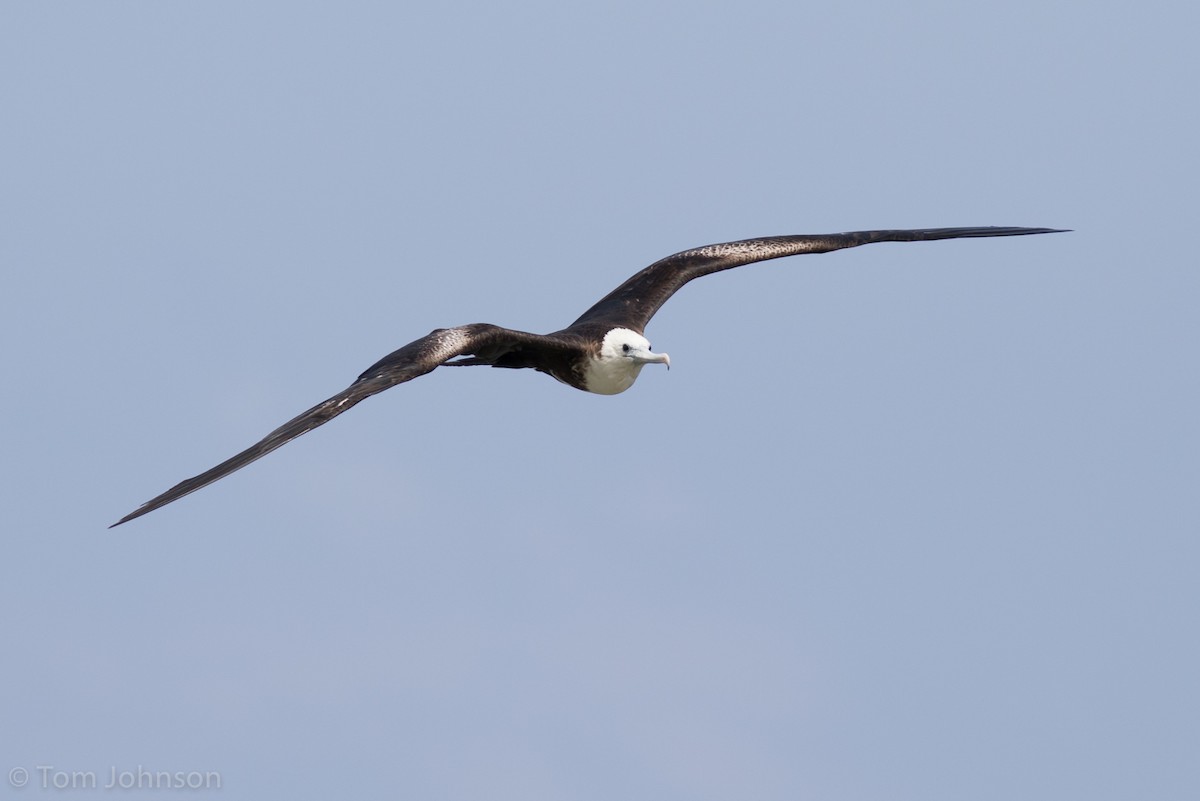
(610, 376)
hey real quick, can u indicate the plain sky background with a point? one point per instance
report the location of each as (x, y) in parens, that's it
(911, 521)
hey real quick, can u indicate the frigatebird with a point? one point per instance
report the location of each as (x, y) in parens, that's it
(602, 352)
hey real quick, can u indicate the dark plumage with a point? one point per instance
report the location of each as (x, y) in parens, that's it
(603, 351)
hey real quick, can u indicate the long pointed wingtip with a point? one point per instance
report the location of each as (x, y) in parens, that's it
(1000, 230)
(135, 513)
(146, 508)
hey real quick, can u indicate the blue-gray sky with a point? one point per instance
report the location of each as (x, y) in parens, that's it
(910, 521)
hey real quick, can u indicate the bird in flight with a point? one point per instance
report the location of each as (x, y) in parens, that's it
(602, 352)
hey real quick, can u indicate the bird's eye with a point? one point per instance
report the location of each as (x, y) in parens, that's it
(625, 348)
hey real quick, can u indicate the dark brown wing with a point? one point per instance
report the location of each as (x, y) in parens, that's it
(413, 360)
(634, 302)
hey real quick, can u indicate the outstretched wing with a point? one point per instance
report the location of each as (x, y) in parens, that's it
(634, 302)
(413, 360)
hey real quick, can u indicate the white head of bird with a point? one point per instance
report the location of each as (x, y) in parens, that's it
(623, 354)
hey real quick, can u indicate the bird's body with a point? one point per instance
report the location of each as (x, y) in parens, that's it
(601, 352)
